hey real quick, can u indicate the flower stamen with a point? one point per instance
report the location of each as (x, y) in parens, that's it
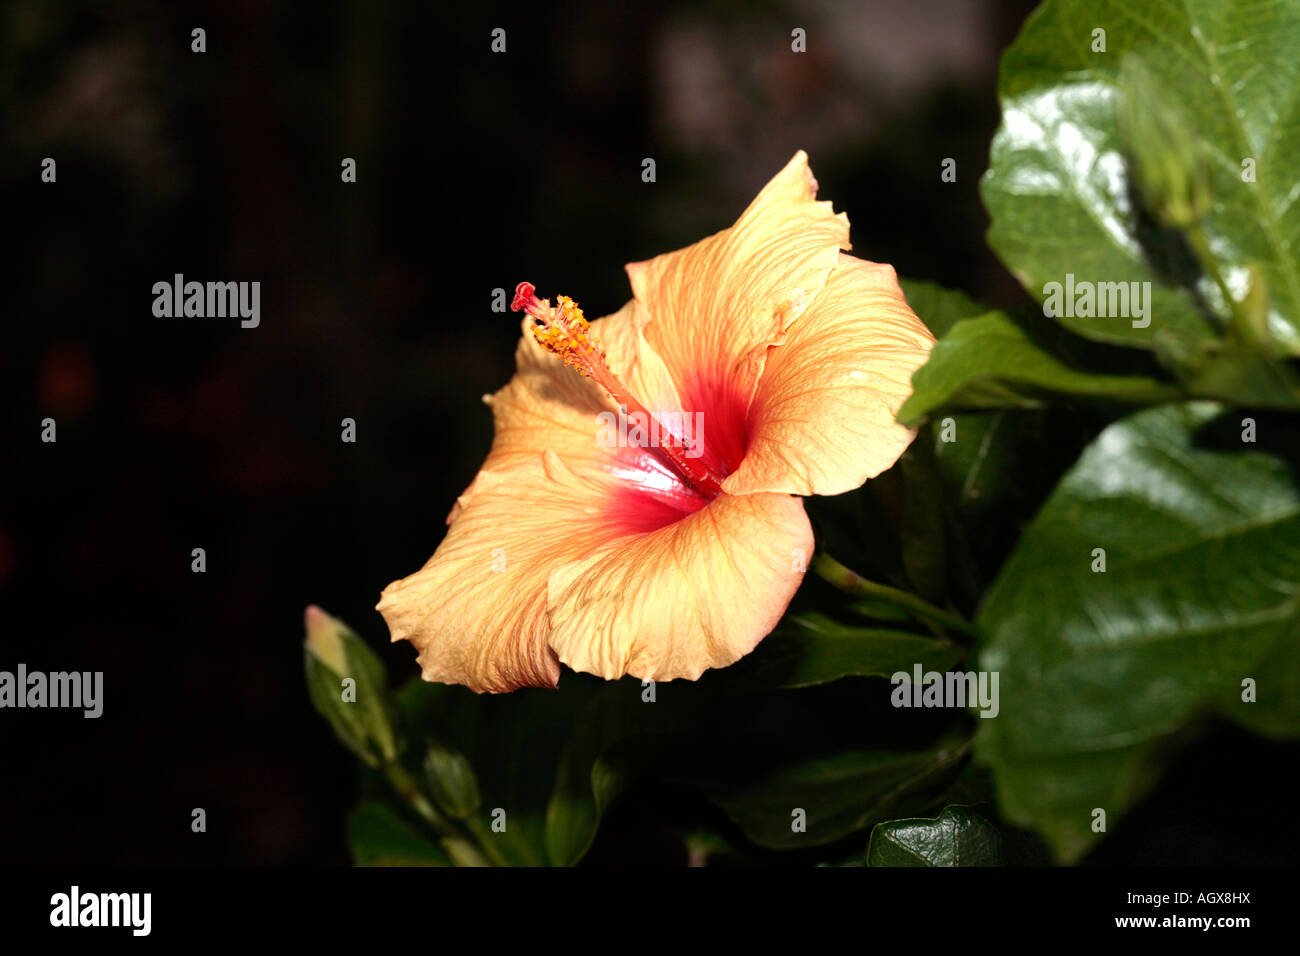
(564, 331)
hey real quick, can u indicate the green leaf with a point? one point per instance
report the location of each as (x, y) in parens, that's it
(839, 794)
(378, 836)
(1275, 712)
(1060, 186)
(938, 307)
(513, 743)
(1244, 376)
(923, 542)
(877, 609)
(757, 744)
(997, 468)
(619, 736)
(592, 774)
(811, 648)
(991, 362)
(1100, 670)
(956, 837)
(976, 464)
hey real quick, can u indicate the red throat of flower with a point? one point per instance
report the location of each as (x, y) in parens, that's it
(564, 331)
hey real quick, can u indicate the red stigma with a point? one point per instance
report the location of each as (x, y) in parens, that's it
(523, 296)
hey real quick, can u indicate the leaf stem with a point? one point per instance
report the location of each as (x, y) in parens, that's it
(1210, 263)
(850, 582)
(409, 791)
(485, 839)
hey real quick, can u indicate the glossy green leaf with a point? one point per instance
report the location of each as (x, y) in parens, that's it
(1100, 669)
(975, 455)
(938, 307)
(1061, 187)
(819, 800)
(959, 836)
(996, 470)
(923, 544)
(378, 836)
(1275, 709)
(811, 648)
(991, 362)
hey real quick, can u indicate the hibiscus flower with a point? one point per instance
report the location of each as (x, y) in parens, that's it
(755, 366)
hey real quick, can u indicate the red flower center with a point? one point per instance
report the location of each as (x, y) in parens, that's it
(660, 449)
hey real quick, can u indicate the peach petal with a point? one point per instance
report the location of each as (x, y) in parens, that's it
(695, 594)
(476, 611)
(717, 305)
(822, 418)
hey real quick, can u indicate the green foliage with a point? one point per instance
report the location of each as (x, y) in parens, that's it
(761, 752)
(939, 308)
(347, 685)
(831, 797)
(991, 362)
(1099, 668)
(811, 649)
(1061, 189)
(451, 781)
(958, 836)
(380, 837)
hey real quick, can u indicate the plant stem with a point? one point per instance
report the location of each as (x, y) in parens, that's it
(485, 839)
(409, 791)
(849, 581)
(465, 852)
(1200, 244)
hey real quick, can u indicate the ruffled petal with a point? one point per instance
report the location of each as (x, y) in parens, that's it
(476, 611)
(671, 603)
(822, 418)
(717, 305)
(547, 406)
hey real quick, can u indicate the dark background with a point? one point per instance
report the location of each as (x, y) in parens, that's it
(475, 170)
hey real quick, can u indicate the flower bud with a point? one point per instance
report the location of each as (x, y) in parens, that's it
(348, 685)
(451, 781)
(1169, 165)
